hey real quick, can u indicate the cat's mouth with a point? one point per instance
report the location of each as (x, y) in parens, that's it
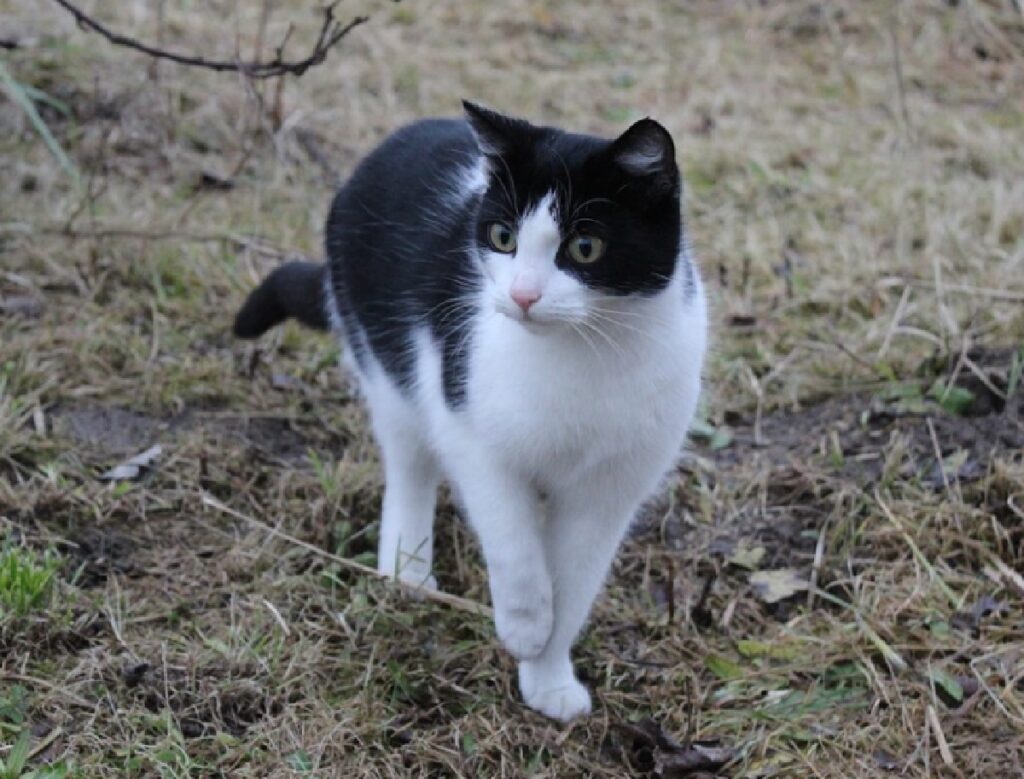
(535, 325)
(532, 321)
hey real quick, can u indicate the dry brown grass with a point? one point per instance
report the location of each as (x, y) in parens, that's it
(856, 195)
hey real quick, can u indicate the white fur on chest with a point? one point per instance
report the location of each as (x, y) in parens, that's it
(555, 404)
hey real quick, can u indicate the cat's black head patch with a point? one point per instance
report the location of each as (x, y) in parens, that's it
(625, 193)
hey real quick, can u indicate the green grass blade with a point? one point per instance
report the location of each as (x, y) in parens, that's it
(21, 97)
(18, 756)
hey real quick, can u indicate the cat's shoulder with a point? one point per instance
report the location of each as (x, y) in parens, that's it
(427, 133)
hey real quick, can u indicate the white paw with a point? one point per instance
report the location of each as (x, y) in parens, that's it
(563, 699)
(419, 582)
(524, 629)
(413, 577)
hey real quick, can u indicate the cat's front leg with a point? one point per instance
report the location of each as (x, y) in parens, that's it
(584, 529)
(504, 511)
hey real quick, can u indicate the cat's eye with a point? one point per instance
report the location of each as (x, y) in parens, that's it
(502, 238)
(586, 249)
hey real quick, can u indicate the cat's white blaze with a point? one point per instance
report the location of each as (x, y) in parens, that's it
(534, 261)
(531, 272)
(592, 426)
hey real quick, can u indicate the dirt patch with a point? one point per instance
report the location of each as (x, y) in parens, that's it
(97, 553)
(110, 431)
(276, 437)
(766, 500)
(203, 700)
(107, 431)
(853, 435)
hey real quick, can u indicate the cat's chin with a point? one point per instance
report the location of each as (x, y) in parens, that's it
(533, 324)
(540, 326)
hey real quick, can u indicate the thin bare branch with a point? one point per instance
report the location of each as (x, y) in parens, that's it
(331, 33)
(462, 604)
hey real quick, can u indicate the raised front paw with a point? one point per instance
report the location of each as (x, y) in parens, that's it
(561, 698)
(524, 626)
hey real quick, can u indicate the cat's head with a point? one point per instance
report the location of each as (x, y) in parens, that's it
(572, 227)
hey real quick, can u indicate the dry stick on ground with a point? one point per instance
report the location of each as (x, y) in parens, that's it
(252, 243)
(463, 604)
(331, 33)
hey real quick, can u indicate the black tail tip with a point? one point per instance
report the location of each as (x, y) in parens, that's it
(296, 289)
(260, 312)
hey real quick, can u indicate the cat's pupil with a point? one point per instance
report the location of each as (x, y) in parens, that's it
(586, 248)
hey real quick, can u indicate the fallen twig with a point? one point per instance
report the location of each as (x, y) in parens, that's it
(463, 604)
(68, 697)
(253, 243)
(1012, 295)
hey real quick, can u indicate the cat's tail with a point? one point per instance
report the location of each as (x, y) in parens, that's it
(296, 289)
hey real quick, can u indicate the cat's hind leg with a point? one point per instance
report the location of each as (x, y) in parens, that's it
(406, 547)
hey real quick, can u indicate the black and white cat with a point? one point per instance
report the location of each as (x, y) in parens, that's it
(525, 320)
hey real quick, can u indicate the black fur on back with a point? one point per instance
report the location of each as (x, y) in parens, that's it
(398, 238)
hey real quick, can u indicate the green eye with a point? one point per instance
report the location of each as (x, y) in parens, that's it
(586, 249)
(502, 238)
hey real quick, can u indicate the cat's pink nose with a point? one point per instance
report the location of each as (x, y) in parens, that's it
(525, 298)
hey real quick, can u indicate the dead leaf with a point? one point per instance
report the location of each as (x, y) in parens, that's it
(697, 756)
(747, 554)
(134, 467)
(649, 748)
(777, 585)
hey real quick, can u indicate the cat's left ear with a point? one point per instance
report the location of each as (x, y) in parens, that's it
(496, 134)
(646, 152)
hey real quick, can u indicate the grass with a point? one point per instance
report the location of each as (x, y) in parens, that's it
(855, 200)
(25, 580)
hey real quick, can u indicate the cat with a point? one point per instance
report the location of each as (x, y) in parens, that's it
(526, 321)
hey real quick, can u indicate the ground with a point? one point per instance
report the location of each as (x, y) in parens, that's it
(855, 193)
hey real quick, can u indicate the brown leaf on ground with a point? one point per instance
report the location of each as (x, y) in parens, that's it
(649, 748)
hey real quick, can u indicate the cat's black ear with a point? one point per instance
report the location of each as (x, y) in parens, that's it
(496, 134)
(646, 152)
